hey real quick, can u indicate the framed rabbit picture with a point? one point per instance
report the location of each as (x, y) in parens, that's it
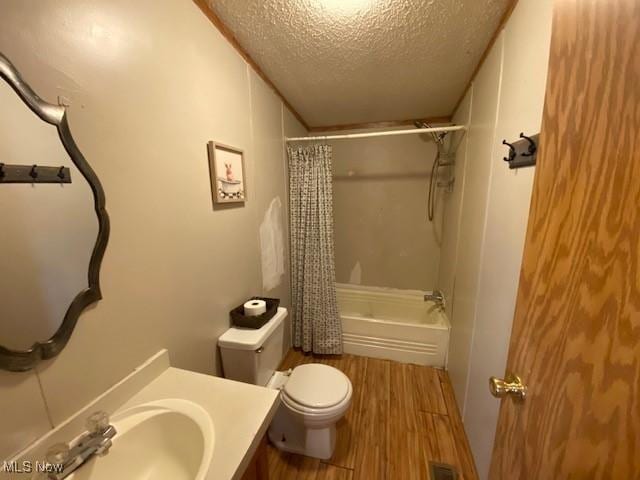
(226, 167)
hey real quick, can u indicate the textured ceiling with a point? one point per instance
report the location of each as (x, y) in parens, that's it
(352, 61)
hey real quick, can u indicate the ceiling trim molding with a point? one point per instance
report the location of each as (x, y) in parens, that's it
(503, 21)
(228, 34)
(385, 124)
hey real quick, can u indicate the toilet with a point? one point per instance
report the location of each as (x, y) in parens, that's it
(313, 396)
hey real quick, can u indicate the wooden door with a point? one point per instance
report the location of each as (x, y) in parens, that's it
(576, 332)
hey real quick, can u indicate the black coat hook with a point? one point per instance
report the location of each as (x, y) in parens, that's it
(61, 173)
(532, 146)
(33, 173)
(512, 152)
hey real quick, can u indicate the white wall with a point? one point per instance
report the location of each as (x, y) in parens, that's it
(382, 235)
(477, 169)
(508, 98)
(149, 84)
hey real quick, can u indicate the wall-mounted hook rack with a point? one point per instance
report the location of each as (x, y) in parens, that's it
(522, 152)
(33, 174)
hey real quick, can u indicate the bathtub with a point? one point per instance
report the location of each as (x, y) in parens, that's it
(393, 324)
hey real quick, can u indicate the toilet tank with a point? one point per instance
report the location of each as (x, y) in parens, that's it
(252, 355)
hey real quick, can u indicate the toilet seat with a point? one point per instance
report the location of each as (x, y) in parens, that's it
(316, 416)
(314, 387)
(314, 397)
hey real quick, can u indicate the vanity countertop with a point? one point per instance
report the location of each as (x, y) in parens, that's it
(241, 414)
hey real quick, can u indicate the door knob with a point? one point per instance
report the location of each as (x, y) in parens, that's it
(510, 385)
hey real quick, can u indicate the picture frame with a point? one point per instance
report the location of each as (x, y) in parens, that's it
(227, 172)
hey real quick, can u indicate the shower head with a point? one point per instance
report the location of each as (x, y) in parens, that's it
(437, 137)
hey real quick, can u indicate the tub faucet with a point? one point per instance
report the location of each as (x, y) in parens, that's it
(437, 297)
(96, 441)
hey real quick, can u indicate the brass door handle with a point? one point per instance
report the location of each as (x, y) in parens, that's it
(511, 385)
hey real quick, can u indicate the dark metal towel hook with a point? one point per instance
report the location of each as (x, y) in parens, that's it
(512, 152)
(532, 146)
(33, 173)
(61, 173)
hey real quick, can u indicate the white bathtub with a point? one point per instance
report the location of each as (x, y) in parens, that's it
(393, 324)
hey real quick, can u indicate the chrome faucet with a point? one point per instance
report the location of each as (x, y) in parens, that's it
(96, 441)
(437, 297)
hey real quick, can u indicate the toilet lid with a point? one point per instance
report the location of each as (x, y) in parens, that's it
(317, 386)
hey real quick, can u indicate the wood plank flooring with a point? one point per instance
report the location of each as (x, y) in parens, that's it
(401, 417)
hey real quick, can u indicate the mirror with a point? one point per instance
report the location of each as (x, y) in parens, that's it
(53, 234)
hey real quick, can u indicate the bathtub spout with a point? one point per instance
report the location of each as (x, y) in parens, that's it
(437, 297)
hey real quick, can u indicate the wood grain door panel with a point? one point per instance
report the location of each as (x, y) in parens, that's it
(576, 332)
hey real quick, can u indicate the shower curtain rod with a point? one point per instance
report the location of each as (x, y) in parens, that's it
(451, 128)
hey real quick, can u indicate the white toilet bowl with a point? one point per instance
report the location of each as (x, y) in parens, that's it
(313, 399)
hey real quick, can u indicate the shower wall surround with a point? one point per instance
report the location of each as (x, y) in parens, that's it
(382, 234)
(149, 83)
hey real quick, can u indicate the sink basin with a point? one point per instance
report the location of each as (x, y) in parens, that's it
(167, 439)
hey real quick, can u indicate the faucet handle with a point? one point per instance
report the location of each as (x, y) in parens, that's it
(58, 454)
(98, 422)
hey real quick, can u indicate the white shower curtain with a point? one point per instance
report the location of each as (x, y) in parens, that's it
(316, 324)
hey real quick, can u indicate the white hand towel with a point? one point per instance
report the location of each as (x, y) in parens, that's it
(272, 246)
